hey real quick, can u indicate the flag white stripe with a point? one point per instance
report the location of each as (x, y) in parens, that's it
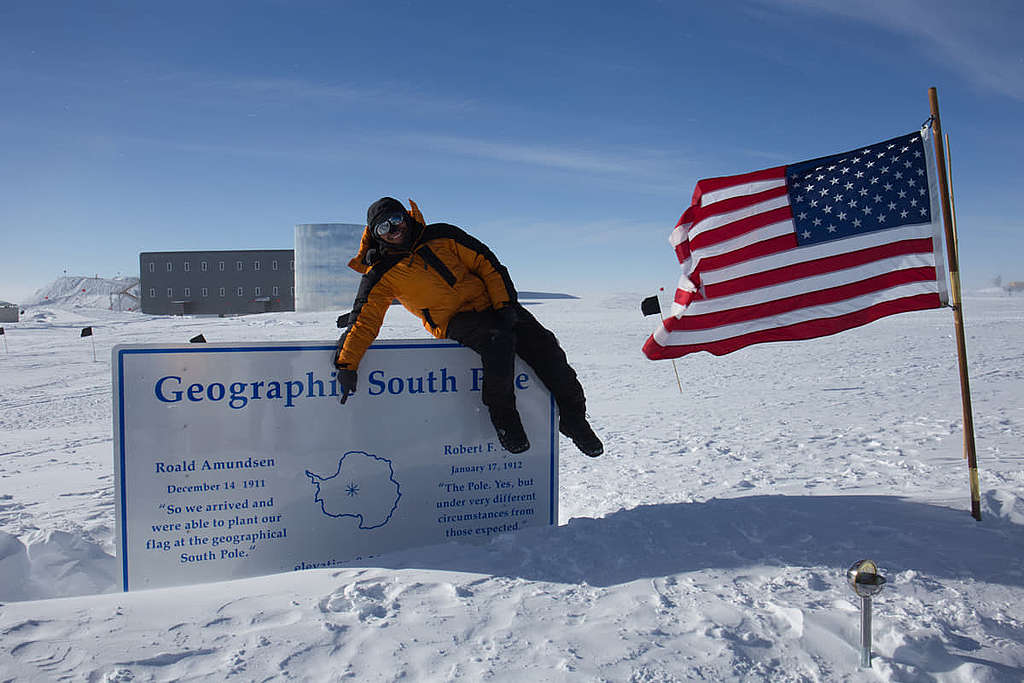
(762, 234)
(807, 285)
(709, 198)
(679, 234)
(720, 219)
(813, 252)
(688, 337)
(686, 231)
(937, 225)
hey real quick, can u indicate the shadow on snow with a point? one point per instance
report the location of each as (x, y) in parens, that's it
(730, 533)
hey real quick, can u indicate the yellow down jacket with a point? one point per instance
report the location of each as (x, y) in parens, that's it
(445, 271)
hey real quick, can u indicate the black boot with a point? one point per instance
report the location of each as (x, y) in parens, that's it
(579, 430)
(511, 433)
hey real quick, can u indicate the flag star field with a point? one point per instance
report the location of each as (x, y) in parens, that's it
(875, 188)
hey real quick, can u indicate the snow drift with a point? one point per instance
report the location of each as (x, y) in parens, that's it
(709, 542)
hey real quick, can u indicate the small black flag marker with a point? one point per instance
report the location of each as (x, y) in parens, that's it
(198, 339)
(86, 331)
(650, 306)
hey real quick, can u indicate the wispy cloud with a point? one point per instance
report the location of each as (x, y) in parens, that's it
(980, 39)
(592, 233)
(296, 89)
(553, 157)
(654, 170)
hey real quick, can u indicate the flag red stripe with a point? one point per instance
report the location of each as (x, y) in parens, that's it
(732, 230)
(805, 330)
(817, 267)
(683, 297)
(713, 184)
(740, 227)
(792, 303)
(700, 213)
(683, 251)
(774, 245)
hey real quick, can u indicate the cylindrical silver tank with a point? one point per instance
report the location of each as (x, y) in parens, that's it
(323, 280)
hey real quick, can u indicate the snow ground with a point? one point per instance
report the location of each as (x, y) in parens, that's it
(709, 542)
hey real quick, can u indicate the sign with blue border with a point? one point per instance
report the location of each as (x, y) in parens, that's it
(237, 460)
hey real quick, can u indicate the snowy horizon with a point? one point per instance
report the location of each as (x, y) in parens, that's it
(88, 290)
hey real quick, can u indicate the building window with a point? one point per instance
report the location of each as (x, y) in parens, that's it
(170, 266)
(223, 291)
(152, 291)
(205, 292)
(188, 292)
(220, 265)
(256, 291)
(239, 291)
(152, 267)
(273, 264)
(255, 265)
(276, 290)
(238, 265)
(170, 292)
(202, 266)
(291, 265)
(188, 266)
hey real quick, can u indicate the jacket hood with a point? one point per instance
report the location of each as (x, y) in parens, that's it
(369, 246)
(382, 208)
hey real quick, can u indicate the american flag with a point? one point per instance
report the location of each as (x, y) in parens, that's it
(806, 250)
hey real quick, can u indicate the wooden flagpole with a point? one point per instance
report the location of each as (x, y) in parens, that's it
(958, 316)
(952, 196)
(952, 212)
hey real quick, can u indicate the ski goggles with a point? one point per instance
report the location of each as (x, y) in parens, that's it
(388, 224)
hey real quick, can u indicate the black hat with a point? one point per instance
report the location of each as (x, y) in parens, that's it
(381, 209)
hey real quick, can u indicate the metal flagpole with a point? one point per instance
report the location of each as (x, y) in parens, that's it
(958, 315)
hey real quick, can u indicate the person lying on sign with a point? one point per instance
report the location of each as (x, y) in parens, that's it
(460, 291)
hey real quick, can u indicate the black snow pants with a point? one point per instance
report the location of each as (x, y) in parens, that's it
(487, 334)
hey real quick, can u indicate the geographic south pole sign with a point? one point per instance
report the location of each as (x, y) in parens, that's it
(236, 460)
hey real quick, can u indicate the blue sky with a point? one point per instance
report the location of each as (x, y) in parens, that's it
(566, 135)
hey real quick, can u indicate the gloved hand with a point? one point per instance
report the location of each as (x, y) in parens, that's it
(347, 381)
(507, 317)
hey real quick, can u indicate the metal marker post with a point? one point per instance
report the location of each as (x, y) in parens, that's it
(87, 332)
(648, 306)
(866, 582)
(865, 632)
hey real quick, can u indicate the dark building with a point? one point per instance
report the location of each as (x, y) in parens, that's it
(8, 312)
(219, 282)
